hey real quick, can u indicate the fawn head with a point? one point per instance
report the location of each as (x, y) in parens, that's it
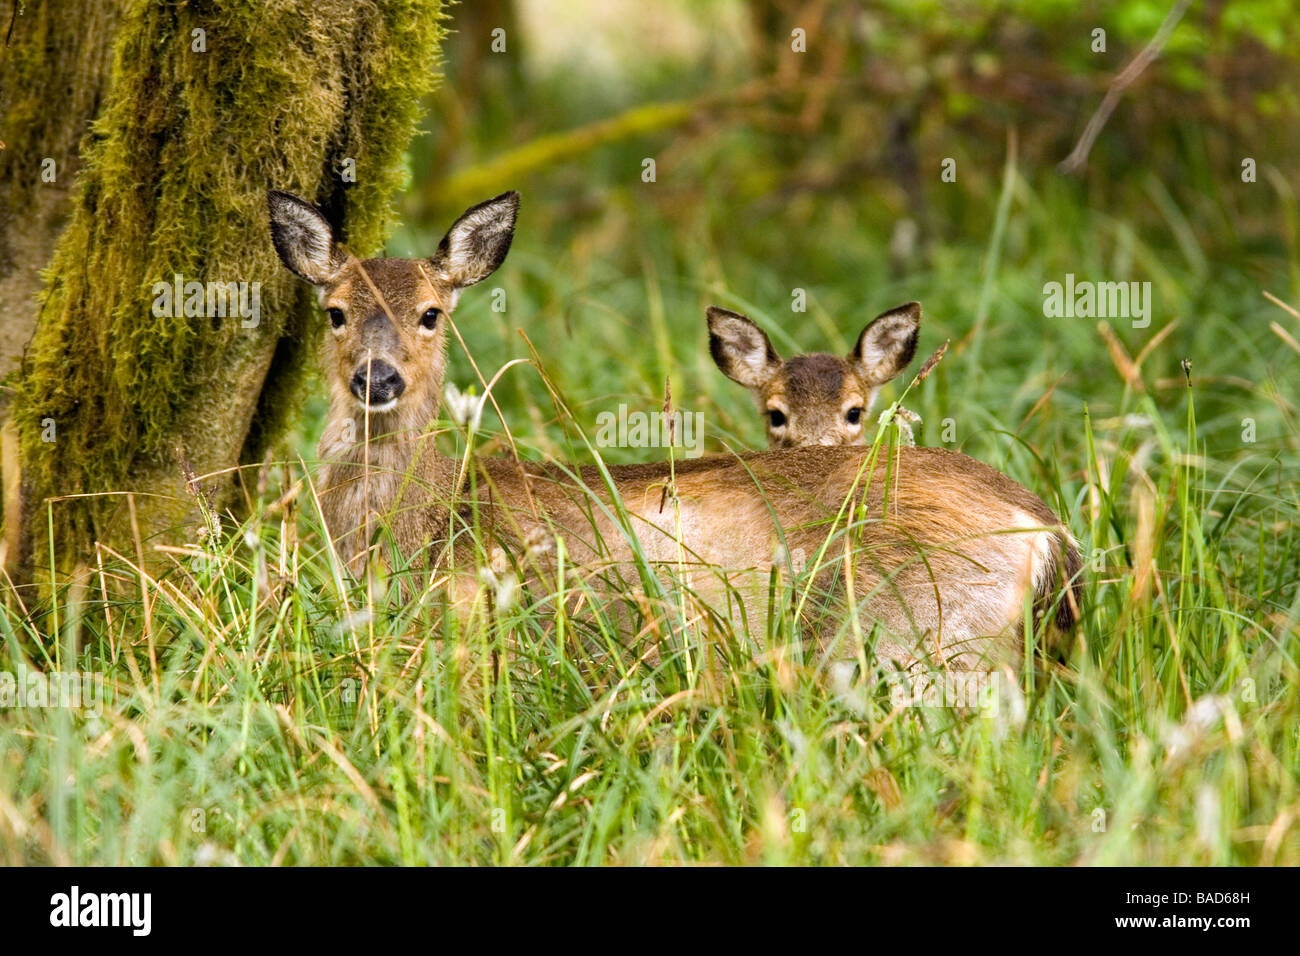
(814, 399)
(388, 342)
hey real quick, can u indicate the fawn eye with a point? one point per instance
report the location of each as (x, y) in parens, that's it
(854, 415)
(430, 319)
(776, 417)
(336, 317)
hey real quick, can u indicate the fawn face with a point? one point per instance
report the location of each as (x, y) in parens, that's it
(388, 340)
(814, 399)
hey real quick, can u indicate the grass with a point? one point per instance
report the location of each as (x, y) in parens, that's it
(264, 709)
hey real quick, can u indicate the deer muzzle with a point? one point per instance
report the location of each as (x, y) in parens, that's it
(377, 384)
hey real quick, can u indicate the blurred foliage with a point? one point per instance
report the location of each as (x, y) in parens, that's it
(778, 170)
(884, 91)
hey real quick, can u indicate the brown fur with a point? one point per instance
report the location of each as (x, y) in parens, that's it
(940, 560)
(944, 550)
(813, 392)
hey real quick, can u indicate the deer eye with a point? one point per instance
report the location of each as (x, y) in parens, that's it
(854, 415)
(336, 317)
(776, 417)
(430, 319)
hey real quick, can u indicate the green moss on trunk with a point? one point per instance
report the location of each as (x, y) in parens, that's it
(174, 183)
(53, 69)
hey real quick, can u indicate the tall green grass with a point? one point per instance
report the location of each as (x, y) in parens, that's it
(266, 709)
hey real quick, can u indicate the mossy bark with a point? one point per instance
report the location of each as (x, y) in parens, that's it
(63, 49)
(194, 128)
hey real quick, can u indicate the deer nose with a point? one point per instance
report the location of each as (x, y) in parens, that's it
(386, 383)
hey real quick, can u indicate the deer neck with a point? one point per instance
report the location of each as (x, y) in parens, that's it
(372, 461)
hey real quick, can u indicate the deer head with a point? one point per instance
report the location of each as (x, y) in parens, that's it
(814, 399)
(386, 352)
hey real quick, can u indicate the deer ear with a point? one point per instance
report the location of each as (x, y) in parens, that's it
(303, 238)
(477, 242)
(887, 344)
(740, 348)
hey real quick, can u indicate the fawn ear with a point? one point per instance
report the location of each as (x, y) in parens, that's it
(477, 242)
(740, 348)
(887, 344)
(303, 238)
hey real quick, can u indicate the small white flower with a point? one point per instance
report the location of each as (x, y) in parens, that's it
(904, 418)
(465, 408)
(505, 587)
(209, 854)
(538, 542)
(1201, 718)
(507, 591)
(853, 699)
(1002, 697)
(795, 560)
(1207, 816)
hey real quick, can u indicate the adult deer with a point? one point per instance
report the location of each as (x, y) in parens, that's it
(943, 552)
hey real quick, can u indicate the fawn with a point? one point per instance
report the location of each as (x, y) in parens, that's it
(814, 399)
(946, 551)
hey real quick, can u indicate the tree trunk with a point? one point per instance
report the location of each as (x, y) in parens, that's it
(208, 104)
(68, 44)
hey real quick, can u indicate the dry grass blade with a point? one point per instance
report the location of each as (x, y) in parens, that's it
(935, 358)
(1078, 157)
(1127, 368)
(1281, 305)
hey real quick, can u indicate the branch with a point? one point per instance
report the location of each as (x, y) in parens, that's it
(1078, 157)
